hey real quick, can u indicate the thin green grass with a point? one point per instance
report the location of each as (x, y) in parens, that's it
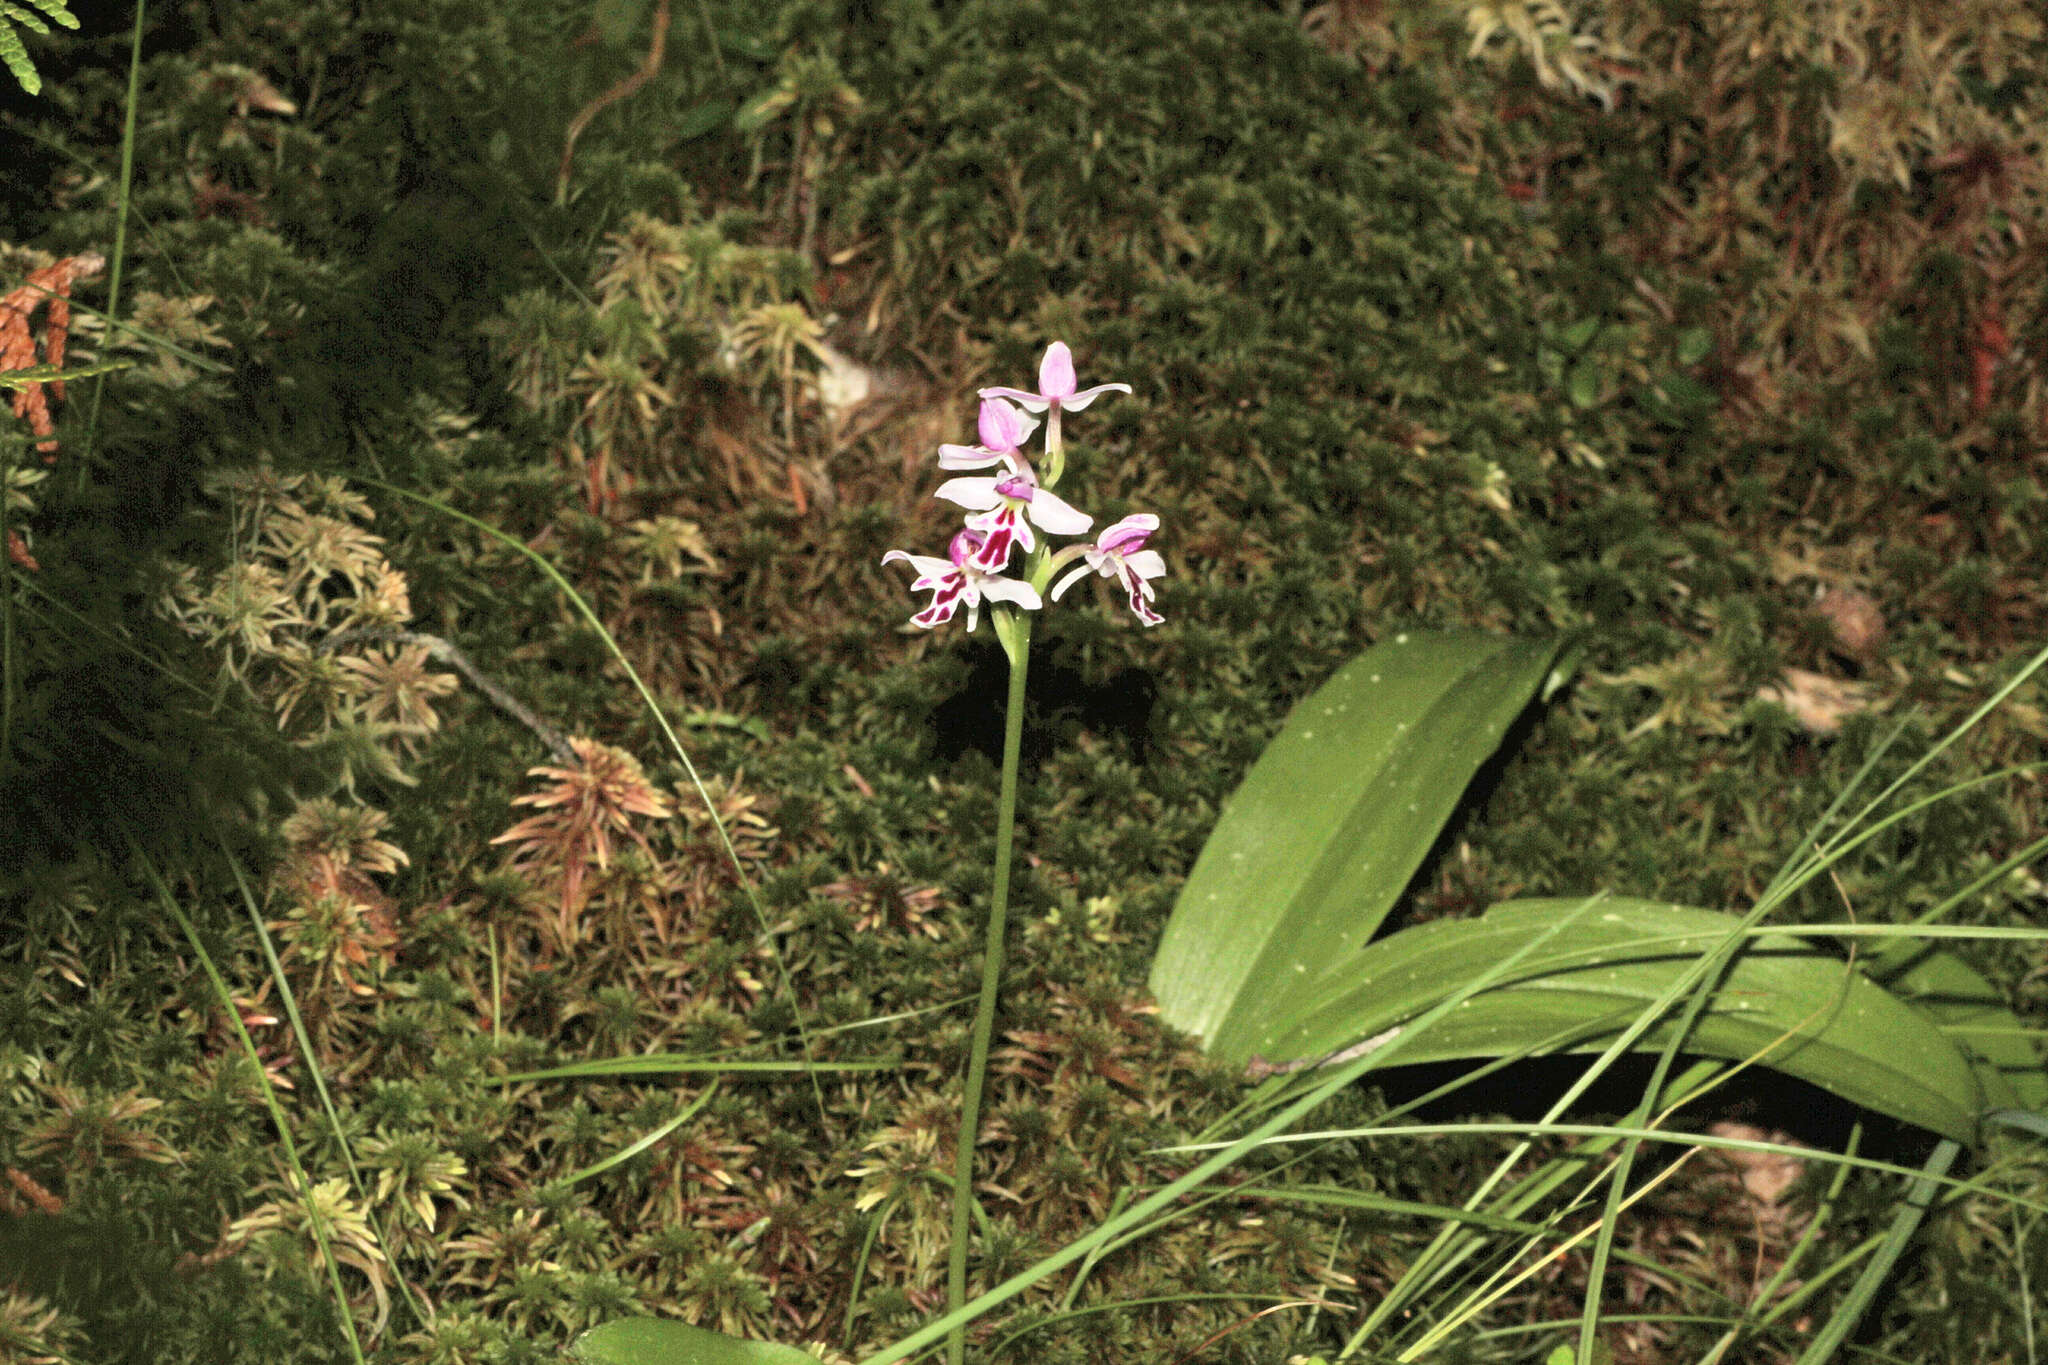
(302, 1182)
(661, 721)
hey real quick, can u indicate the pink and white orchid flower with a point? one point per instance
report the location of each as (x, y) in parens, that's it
(957, 579)
(1120, 553)
(1004, 503)
(1004, 430)
(1056, 385)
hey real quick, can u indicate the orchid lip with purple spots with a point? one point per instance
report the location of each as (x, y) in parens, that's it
(1119, 552)
(957, 580)
(1056, 385)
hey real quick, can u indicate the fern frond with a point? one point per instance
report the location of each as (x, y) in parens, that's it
(24, 12)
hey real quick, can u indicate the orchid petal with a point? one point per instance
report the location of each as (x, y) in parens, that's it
(1055, 514)
(1010, 590)
(1003, 427)
(970, 457)
(1127, 535)
(1146, 564)
(974, 494)
(1086, 396)
(926, 565)
(1056, 373)
(1072, 576)
(1030, 402)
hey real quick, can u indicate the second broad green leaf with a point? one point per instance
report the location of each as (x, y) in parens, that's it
(1785, 1002)
(1331, 822)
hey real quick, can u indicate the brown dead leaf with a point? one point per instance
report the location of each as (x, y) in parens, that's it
(1817, 702)
(1857, 621)
(1765, 1176)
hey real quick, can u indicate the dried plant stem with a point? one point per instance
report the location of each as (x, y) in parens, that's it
(448, 654)
(985, 1012)
(641, 75)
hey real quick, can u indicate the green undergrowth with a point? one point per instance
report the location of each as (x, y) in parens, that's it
(1353, 412)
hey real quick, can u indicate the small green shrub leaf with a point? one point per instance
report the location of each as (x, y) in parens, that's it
(1579, 335)
(1585, 383)
(1792, 1004)
(703, 118)
(1329, 825)
(653, 1341)
(1693, 345)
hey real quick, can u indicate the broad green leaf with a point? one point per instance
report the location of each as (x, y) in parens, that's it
(1791, 1003)
(1329, 825)
(655, 1341)
(1974, 1015)
(1693, 345)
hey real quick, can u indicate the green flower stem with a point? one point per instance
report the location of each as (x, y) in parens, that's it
(991, 981)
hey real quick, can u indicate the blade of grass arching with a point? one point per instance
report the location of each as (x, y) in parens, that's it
(103, 368)
(1166, 1194)
(1812, 837)
(1707, 968)
(1809, 1238)
(497, 989)
(277, 1115)
(119, 255)
(118, 641)
(1991, 704)
(1093, 1258)
(654, 709)
(671, 1064)
(1277, 1089)
(1977, 885)
(1453, 1245)
(1465, 1223)
(639, 1145)
(1913, 1208)
(1069, 1314)
(1603, 1245)
(1503, 1284)
(860, 1270)
(2020, 1233)
(1191, 1205)
(1545, 1327)
(8, 683)
(1836, 851)
(421, 1314)
(1360, 1201)
(1534, 1128)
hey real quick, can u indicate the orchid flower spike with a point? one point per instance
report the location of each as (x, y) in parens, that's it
(1056, 385)
(1005, 502)
(1004, 430)
(956, 579)
(1120, 553)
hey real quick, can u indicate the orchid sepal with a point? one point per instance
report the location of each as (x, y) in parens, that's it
(1056, 385)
